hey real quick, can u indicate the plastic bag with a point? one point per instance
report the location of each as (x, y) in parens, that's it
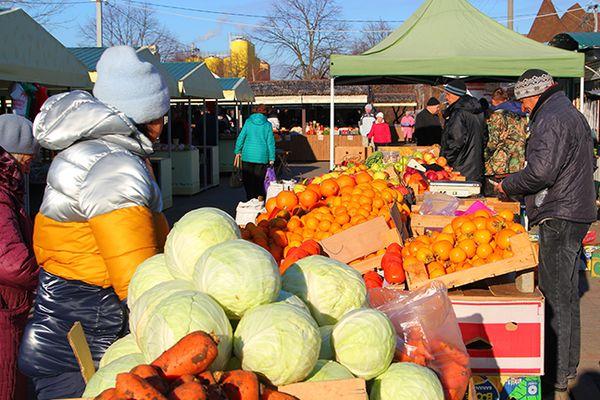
(269, 177)
(427, 333)
(235, 180)
(439, 204)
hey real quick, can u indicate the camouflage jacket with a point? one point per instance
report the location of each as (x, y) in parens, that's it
(505, 150)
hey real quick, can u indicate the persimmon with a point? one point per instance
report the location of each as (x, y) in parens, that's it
(425, 255)
(448, 229)
(370, 193)
(271, 204)
(516, 227)
(503, 238)
(294, 223)
(423, 239)
(312, 223)
(335, 227)
(482, 236)
(363, 177)
(457, 255)
(469, 246)
(414, 246)
(308, 233)
(436, 273)
(442, 249)
(345, 181)
(435, 265)
(445, 236)
(441, 161)
(506, 215)
(495, 225)
(480, 222)
(484, 250)
(458, 222)
(342, 218)
(287, 200)
(378, 203)
(481, 214)
(324, 226)
(379, 184)
(468, 228)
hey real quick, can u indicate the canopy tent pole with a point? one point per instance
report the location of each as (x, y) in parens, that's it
(216, 155)
(237, 119)
(169, 132)
(331, 125)
(189, 132)
(204, 144)
(581, 92)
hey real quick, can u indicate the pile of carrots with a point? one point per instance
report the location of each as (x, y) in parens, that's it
(450, 363)
(181, 373)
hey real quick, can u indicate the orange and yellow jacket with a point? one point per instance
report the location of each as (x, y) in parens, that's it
(101, 213)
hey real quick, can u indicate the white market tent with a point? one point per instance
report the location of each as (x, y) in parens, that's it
(194, 80)
(29, 53)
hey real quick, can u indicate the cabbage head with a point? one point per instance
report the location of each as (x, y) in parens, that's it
(183, 313)
(106, 376)
(121, 347)
(195, 232)
(278, 341)
(327, 370)
(364, 342)
(329, 287)
(144, 306)
(407, 381)
(239, 275)
(326, 352)
(288, 298)
(148, 274)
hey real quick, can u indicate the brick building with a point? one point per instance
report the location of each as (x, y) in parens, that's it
(549, 23)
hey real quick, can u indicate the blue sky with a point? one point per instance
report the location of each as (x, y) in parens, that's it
(209, 32)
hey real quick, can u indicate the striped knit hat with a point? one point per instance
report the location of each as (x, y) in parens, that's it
(456, 87)
(533, 82)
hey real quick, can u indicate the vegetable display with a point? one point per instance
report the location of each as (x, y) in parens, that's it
(122, 347)
(327, 370)
(148, 274)
(406, 381)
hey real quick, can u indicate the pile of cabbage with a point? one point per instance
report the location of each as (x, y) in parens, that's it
(311, 324)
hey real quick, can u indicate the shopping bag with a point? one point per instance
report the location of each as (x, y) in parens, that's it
(269, 177)
(427, 333)
(235, 180)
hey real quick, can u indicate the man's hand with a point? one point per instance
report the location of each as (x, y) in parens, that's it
(500, 190)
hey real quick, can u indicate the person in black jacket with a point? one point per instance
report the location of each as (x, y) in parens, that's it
(464, 134)
(558, 185)
(428, 127)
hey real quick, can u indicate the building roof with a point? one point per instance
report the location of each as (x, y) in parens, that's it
(89, 56)
(548, 24)
(580, 41)
(179, 70)
(229, 83)
(236, 89)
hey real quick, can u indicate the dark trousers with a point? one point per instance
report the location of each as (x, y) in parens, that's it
(64, 386)
(560, 247)
(253, 175)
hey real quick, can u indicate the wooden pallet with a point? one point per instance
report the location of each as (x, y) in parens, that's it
(524, 259)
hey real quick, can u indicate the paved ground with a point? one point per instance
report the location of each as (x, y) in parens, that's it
(587, 386)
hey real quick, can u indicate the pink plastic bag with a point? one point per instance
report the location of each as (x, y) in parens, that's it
(427, 333)
(476, 206)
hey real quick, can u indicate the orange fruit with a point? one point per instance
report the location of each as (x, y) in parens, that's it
(308, 233)
(414, 246)
(271, 204)
(503, 238)
(335, 227)
(378, 203)
(365, 200)
(363, 177)
(358, 220)
(506, 215)
(457, 255)
(339, 210)
(458, 222)
(387, 196)
(482, 236)
(445, 237)
(370, 193)
(441, 161)
(294, 237)
(484, 250)
(345, 181)
(279, 238)
(287, 200)
(364, 213)
(516, 227)
(262, 217)
(315, 188)
(329, 187)
(481, 214)
(448, 229)
(346, 190)
(324, 226)
(367, 207)
(469, 246)
(294, 223)
(480, 222)
(312, 223)
(442, 249)
(495, 225)
(423, 239)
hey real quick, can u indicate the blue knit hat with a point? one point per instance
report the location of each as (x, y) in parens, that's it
(16, 135)
(132, 86)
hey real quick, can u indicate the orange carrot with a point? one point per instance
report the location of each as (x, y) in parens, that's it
(152, 375)
(240, 385)
(206, 378)
(188, 391)
(130, 386)
(108, 394)
(272, 394)
(192, 355)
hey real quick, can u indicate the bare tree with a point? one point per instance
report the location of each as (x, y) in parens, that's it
(43, 12)
(372, 33)
(133, 25)
(305, 32)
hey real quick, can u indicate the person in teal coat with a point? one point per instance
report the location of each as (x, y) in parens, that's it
(255, 151)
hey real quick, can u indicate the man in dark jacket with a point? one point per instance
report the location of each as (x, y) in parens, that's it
(558, 185)
(463, 137)
(428, 127)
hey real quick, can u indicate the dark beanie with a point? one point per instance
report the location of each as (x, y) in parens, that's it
(456, 87)
(433, 101)
(533, 82)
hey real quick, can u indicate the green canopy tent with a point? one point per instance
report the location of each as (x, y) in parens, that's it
(446, 39)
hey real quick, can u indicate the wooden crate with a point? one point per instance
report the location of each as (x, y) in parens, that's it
(524, 259)
(492, 202)
(420, 223)
(346, 389)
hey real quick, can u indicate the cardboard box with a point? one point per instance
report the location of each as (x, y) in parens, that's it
(502, 329)
(507, 387)
(350, 154)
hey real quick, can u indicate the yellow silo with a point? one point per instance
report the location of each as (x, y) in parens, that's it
(243, 58)
(214, 64)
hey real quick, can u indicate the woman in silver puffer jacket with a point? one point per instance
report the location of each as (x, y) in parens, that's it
(100, 217)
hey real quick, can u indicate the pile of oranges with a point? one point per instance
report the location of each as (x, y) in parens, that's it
(468, 241)
(318, 211)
